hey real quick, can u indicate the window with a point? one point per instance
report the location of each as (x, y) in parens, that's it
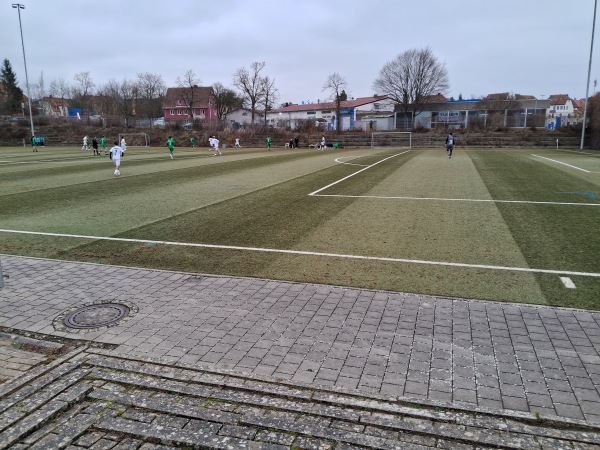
(179, 102)
(185, 112)
(172, 112)
(202, 112)
(178, 112)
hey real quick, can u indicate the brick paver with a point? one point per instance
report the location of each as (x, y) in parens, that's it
(466, 353)
(92, 399)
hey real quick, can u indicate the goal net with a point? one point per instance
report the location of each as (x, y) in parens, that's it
(398, 139)
(135, 139)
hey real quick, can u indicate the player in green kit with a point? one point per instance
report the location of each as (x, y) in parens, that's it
(193, 142)
(268, 140)
(103, 144)
(171, 145)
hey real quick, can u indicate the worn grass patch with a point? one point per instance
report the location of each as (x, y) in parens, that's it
(394, 209)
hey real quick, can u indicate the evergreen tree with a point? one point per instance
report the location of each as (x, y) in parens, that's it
(13, 94)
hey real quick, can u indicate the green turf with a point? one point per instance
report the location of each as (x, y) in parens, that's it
(398, 208)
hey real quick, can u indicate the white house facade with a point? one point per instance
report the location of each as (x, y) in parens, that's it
(561, 112)
(355, 114)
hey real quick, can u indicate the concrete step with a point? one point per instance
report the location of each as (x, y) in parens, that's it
(95, 399)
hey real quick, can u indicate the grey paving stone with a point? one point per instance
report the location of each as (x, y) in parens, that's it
(257, 325)
(515, 403)
(89, 439)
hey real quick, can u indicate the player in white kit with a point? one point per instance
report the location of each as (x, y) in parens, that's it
(115, 155)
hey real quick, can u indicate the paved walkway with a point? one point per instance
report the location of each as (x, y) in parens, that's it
(92, 399)
(468, 354)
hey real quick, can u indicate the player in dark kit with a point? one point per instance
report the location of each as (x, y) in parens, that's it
(449, 145)
(95, 146)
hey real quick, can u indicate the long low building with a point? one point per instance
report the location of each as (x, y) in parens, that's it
(379, 113)
(364, 113)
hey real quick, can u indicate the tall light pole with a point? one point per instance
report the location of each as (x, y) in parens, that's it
(587, 88)
(19, 7)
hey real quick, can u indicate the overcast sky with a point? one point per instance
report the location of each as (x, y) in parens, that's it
(533, 47)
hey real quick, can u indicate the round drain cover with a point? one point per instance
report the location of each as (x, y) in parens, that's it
(95, 316)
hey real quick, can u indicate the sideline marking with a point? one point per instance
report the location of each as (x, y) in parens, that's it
(83, 158)
(307, 253)
(579, 151)
(564, 164)
(568, 283)
(356, 173)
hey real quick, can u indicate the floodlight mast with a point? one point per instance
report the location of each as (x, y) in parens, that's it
(587, 88)
(19, 7)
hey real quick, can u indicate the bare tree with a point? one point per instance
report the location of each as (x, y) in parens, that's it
(39, 89)
(152, 91)
(82, 90)
(270, 94)
(335, 85)
(411, 78)
(593, 121)
(84, 85)
(109, 93)
(496, 107)
(250, 84)
(123, 97)
(189, 82)
(226, 100)
(59, 88)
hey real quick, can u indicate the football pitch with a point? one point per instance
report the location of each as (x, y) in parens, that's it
(507, 224)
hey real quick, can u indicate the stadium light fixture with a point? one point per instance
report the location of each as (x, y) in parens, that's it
(19, 7)
(587, 87)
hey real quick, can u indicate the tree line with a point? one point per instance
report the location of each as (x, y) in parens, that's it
(409, 79)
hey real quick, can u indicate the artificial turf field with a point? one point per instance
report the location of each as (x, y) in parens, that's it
(514, 225)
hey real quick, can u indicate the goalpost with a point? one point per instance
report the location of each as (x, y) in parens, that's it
(398, 139)
(135, 139)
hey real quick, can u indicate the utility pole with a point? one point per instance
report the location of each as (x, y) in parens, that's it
(19, 7)
(587, 87)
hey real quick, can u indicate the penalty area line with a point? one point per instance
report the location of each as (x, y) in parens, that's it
(441, 199)
(356, 173)
(309, 253)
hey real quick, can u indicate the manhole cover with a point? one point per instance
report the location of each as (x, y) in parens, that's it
(95, 316)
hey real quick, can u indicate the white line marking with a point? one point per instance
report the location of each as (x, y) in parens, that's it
(564, 164)
(339, 161)
(83, 158)
(474, 200)
(356, 173)
(581, 152)
(302, 252)
(568, 283)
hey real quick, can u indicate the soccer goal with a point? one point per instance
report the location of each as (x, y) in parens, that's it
(135, 139)
(398, 139)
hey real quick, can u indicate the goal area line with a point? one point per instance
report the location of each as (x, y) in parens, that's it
(309, 253)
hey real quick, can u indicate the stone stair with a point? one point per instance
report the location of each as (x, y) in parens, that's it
(91, 398)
